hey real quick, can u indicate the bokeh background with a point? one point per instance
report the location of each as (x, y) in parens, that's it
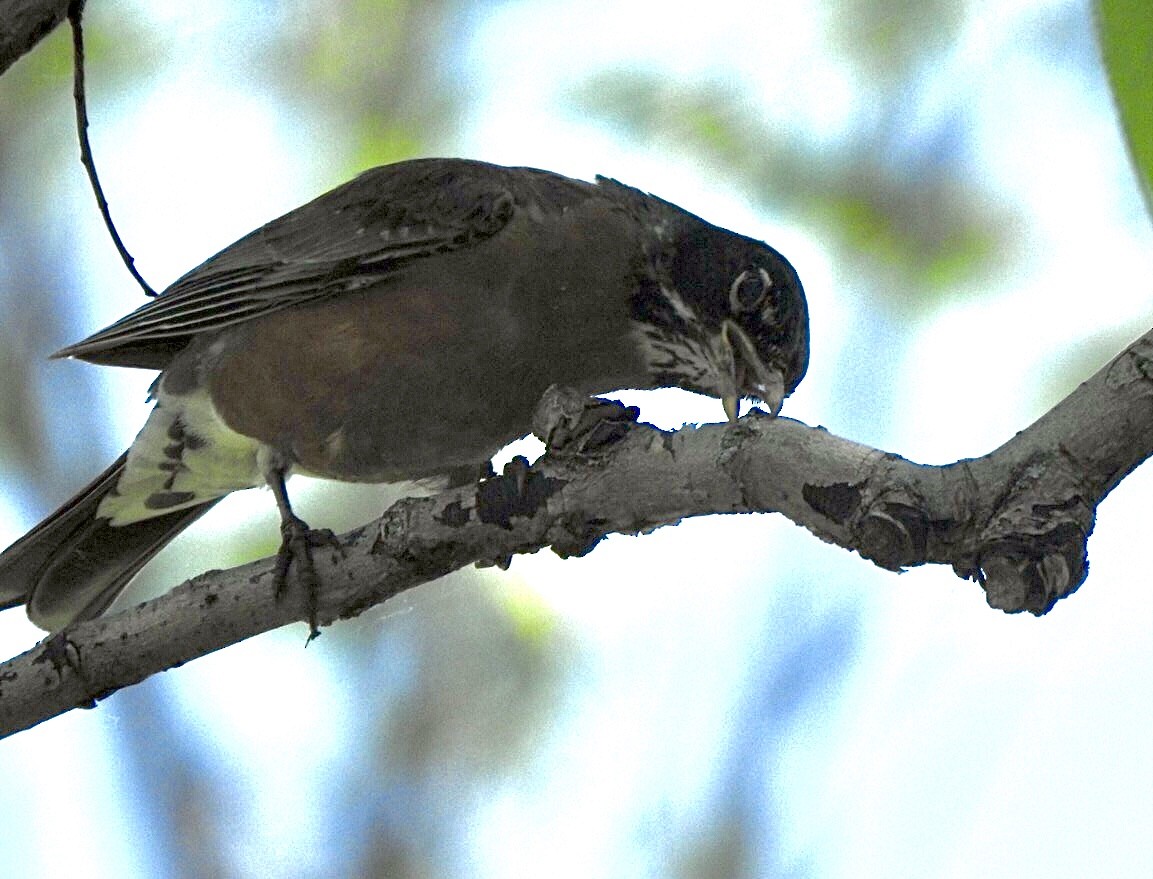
(726, 698)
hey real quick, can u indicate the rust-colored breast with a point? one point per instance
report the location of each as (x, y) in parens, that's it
(439, 366)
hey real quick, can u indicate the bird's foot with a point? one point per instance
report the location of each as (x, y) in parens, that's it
(573, 424)
(518, 491)
(297, 543)
(61, 652)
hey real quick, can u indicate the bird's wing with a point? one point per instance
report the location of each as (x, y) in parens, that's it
(346, 239)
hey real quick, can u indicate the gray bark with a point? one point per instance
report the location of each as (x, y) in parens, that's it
(1016, 520)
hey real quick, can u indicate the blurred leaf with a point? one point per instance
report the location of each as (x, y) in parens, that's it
(721, 852)
(891, 39)
(117, 53)
(911, 229)
(930, 235)
(699, 118)
(379, 70)
(532, 618)
(1126, 33)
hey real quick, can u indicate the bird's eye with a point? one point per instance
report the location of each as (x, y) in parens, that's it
(749, 290)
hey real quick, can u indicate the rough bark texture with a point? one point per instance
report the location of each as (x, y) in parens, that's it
(1016, 520)
(26, 23)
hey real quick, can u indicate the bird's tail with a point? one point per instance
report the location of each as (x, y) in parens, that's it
(72, 565)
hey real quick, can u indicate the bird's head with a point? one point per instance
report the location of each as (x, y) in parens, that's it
(723, 315)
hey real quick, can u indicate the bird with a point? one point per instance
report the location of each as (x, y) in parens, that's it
(402, 327)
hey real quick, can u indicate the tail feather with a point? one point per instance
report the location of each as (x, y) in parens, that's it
(72, 565)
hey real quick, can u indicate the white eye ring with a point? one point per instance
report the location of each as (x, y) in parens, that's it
(745, 296)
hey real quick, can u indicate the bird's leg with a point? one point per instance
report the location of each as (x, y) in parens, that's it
(297, 541)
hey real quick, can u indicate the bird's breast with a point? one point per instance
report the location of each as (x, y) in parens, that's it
(438, 366)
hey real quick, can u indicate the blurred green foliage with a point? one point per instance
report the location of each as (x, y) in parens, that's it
(45, 74)
(916, 235)
(1125, 35)
(378, 72)
(1125, 28)
(891, 40)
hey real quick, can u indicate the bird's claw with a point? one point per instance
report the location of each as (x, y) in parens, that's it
(574, 424)
(297, 543)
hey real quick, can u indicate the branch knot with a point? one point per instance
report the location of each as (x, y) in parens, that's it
(1033, 551)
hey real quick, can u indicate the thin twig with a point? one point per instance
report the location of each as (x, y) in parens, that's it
(75, 12)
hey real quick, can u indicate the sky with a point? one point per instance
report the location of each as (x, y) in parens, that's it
(935, 737)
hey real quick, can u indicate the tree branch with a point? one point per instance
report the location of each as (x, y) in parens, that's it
(1016, 520)
(26, 23)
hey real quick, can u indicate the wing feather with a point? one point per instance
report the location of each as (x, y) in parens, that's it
(351, 237)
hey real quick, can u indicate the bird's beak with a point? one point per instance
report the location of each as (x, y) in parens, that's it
(732, 404)
(749, 371)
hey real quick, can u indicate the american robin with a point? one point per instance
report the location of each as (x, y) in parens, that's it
(402, 327)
